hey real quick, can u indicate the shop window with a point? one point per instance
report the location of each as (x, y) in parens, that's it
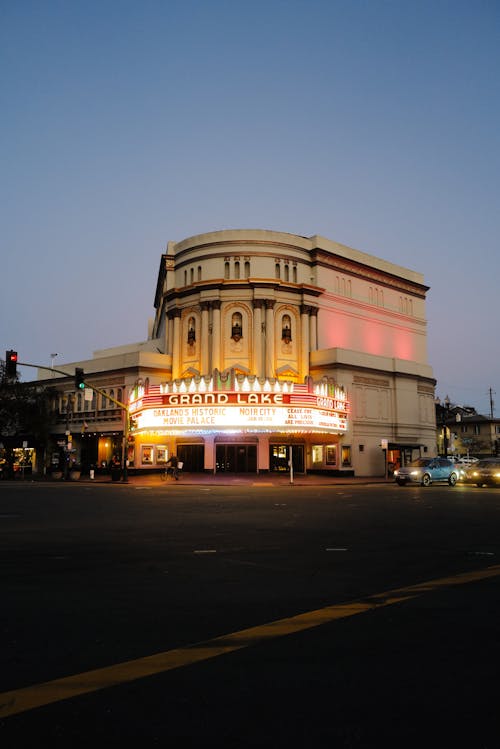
(331, 455)
(147, 452)
(286, 328)
(346, 455)
(191, 336)
(236, 326)
(317, 454)
(161, 454)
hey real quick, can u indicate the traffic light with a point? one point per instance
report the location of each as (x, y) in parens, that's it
(79, 383)
(11, 364)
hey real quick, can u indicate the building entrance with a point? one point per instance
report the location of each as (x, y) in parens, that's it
(236, 458)
(192, 457)
(279, 455)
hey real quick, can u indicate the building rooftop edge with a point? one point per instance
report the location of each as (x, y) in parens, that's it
(314, 242)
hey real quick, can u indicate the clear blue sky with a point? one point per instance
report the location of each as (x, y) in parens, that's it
(126, 124)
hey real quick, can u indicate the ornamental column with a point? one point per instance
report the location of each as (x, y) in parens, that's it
(313, 328)
(270, 337)
(176, 345)
(257, 337)
(205, 348)
(215, 335)
(170, 332)
(304, 349)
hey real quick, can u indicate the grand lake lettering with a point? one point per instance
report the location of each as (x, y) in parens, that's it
(208, 399)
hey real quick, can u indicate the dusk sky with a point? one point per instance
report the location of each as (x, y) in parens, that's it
(124, 125)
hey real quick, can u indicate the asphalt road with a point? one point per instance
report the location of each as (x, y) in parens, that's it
(327, 616)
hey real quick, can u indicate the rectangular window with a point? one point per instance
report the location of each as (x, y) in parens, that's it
(477, 429)
(147, 455)
(161, 454)
(317, 454)
(331, 455)
(346, 455)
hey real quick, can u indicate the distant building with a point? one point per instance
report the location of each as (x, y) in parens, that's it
(265, 347)
(467, 432)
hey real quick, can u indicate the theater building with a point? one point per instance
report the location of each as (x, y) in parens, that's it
(267, 348)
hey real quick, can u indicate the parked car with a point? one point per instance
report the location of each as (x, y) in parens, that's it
(426, 471)
(460, 469)
(485, 471)
(467, 462)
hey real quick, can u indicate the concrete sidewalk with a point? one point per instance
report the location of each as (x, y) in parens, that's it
(218, 479)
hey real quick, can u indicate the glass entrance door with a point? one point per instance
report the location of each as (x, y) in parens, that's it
(279, 455)
(193, 457)
(236, 458)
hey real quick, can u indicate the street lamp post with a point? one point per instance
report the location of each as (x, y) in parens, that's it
(446, 416)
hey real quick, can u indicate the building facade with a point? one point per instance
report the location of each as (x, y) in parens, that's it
(268, 348)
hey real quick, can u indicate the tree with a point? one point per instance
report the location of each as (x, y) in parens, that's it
(25, 414)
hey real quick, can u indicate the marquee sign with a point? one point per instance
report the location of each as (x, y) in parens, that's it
(287, 409)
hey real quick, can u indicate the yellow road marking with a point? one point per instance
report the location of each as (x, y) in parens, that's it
(38, 695)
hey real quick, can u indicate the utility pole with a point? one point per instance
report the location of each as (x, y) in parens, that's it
(492, 402)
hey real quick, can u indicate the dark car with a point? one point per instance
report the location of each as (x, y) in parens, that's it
(426, 471)
(486, 471)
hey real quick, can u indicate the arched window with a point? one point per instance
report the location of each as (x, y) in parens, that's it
(236, 326)
(79, 402)
(191, 336)
(185, 277)
(199, 273)
(104, 401)
(112, 395)
(237, 269)
(192, 275)
(277, 270)
(226, 270)
(294, 270)
(286, 328)
(287, 272)
(247, 269)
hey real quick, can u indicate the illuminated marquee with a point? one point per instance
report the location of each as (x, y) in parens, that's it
(289, 407)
